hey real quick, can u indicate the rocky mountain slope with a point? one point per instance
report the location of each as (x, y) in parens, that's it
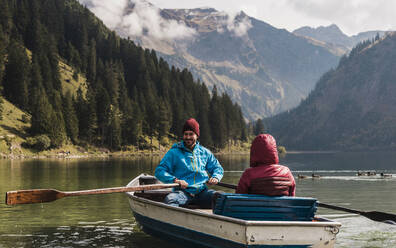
(352, 107)
(333, 35)
(266, 70)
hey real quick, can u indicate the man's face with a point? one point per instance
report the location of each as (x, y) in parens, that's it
(189, 138)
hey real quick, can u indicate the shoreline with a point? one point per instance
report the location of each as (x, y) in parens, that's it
(93, 155)
(127, 154)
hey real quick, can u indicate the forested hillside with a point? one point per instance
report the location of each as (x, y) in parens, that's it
(352, 107)
(129, 93)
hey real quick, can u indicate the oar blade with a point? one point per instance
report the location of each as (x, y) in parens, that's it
(381, 216)
(32, 196)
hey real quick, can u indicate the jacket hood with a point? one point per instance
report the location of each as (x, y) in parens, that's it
(263, 151)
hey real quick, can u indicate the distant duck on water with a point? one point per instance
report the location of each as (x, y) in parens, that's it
(383, 175)
(366, 173)
(305, 176)
(302, 176)
(315, 175)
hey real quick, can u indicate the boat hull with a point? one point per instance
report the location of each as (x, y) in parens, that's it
(202, 228)
(185, 236)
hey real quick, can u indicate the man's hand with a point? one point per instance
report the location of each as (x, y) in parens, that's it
(212, 181)
(183, 184)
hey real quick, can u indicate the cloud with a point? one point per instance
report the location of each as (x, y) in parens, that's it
(235, 23)
(352, 16)
(110, 12)
(238, 24)
(144, 20)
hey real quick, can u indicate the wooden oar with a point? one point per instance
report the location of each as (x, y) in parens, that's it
(48, 195)
(372, 215)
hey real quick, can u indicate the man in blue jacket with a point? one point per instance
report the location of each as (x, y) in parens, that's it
(192, 166)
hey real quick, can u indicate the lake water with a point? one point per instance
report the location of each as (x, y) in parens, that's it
(107, 221)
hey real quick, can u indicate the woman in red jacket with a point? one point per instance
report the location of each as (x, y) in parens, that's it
(265, 176)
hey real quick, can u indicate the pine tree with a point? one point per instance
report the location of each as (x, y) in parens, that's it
(81, 42)
(72, 56)
(57, 132)
(114, 139)
(259, 127)
(103, 113)
(16, 77)
(3, 46)
(21, 18)
(81, 107)
(91, 72)
(5, 17)
(35, 40)
(54, 63)
(111, 81)
(242, 124)
(70, 116)
(46, 73)
(42, 112)
(203, 116)
(135, 124)
(36, 81)
(217, 120)
(92, 118)
(164, 119)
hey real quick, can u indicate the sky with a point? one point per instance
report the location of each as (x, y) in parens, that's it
(351, 16)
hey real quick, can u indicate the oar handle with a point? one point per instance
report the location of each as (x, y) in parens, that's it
(227, 185)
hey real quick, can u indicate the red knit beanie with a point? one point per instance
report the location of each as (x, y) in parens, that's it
(191, 125)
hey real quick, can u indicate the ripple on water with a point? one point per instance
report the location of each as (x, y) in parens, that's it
(116, 233)
(359, 231)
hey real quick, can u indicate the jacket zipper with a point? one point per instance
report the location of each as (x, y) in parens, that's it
(194, 165)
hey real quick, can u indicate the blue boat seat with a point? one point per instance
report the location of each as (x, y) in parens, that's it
(269, 208)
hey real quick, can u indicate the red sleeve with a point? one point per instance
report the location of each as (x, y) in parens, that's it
(243, 185)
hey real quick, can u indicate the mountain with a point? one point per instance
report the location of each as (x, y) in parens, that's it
(264, 69)
(332, 34)
(351, 107)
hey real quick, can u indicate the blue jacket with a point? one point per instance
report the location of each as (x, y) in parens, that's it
(191, 166)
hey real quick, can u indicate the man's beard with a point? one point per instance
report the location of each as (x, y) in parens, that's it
(189, 142)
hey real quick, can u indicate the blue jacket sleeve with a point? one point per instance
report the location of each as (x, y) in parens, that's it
(164, 169)
(214, 168)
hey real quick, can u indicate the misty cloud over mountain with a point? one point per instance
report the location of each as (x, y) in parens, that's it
(140, 18)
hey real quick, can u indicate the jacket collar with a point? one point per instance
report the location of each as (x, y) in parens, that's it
(181, 145)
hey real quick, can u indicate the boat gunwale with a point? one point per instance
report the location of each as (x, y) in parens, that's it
(230, 219)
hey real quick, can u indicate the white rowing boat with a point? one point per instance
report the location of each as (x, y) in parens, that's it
(203, 228)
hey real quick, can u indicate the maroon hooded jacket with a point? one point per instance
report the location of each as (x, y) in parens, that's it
(265, 175)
